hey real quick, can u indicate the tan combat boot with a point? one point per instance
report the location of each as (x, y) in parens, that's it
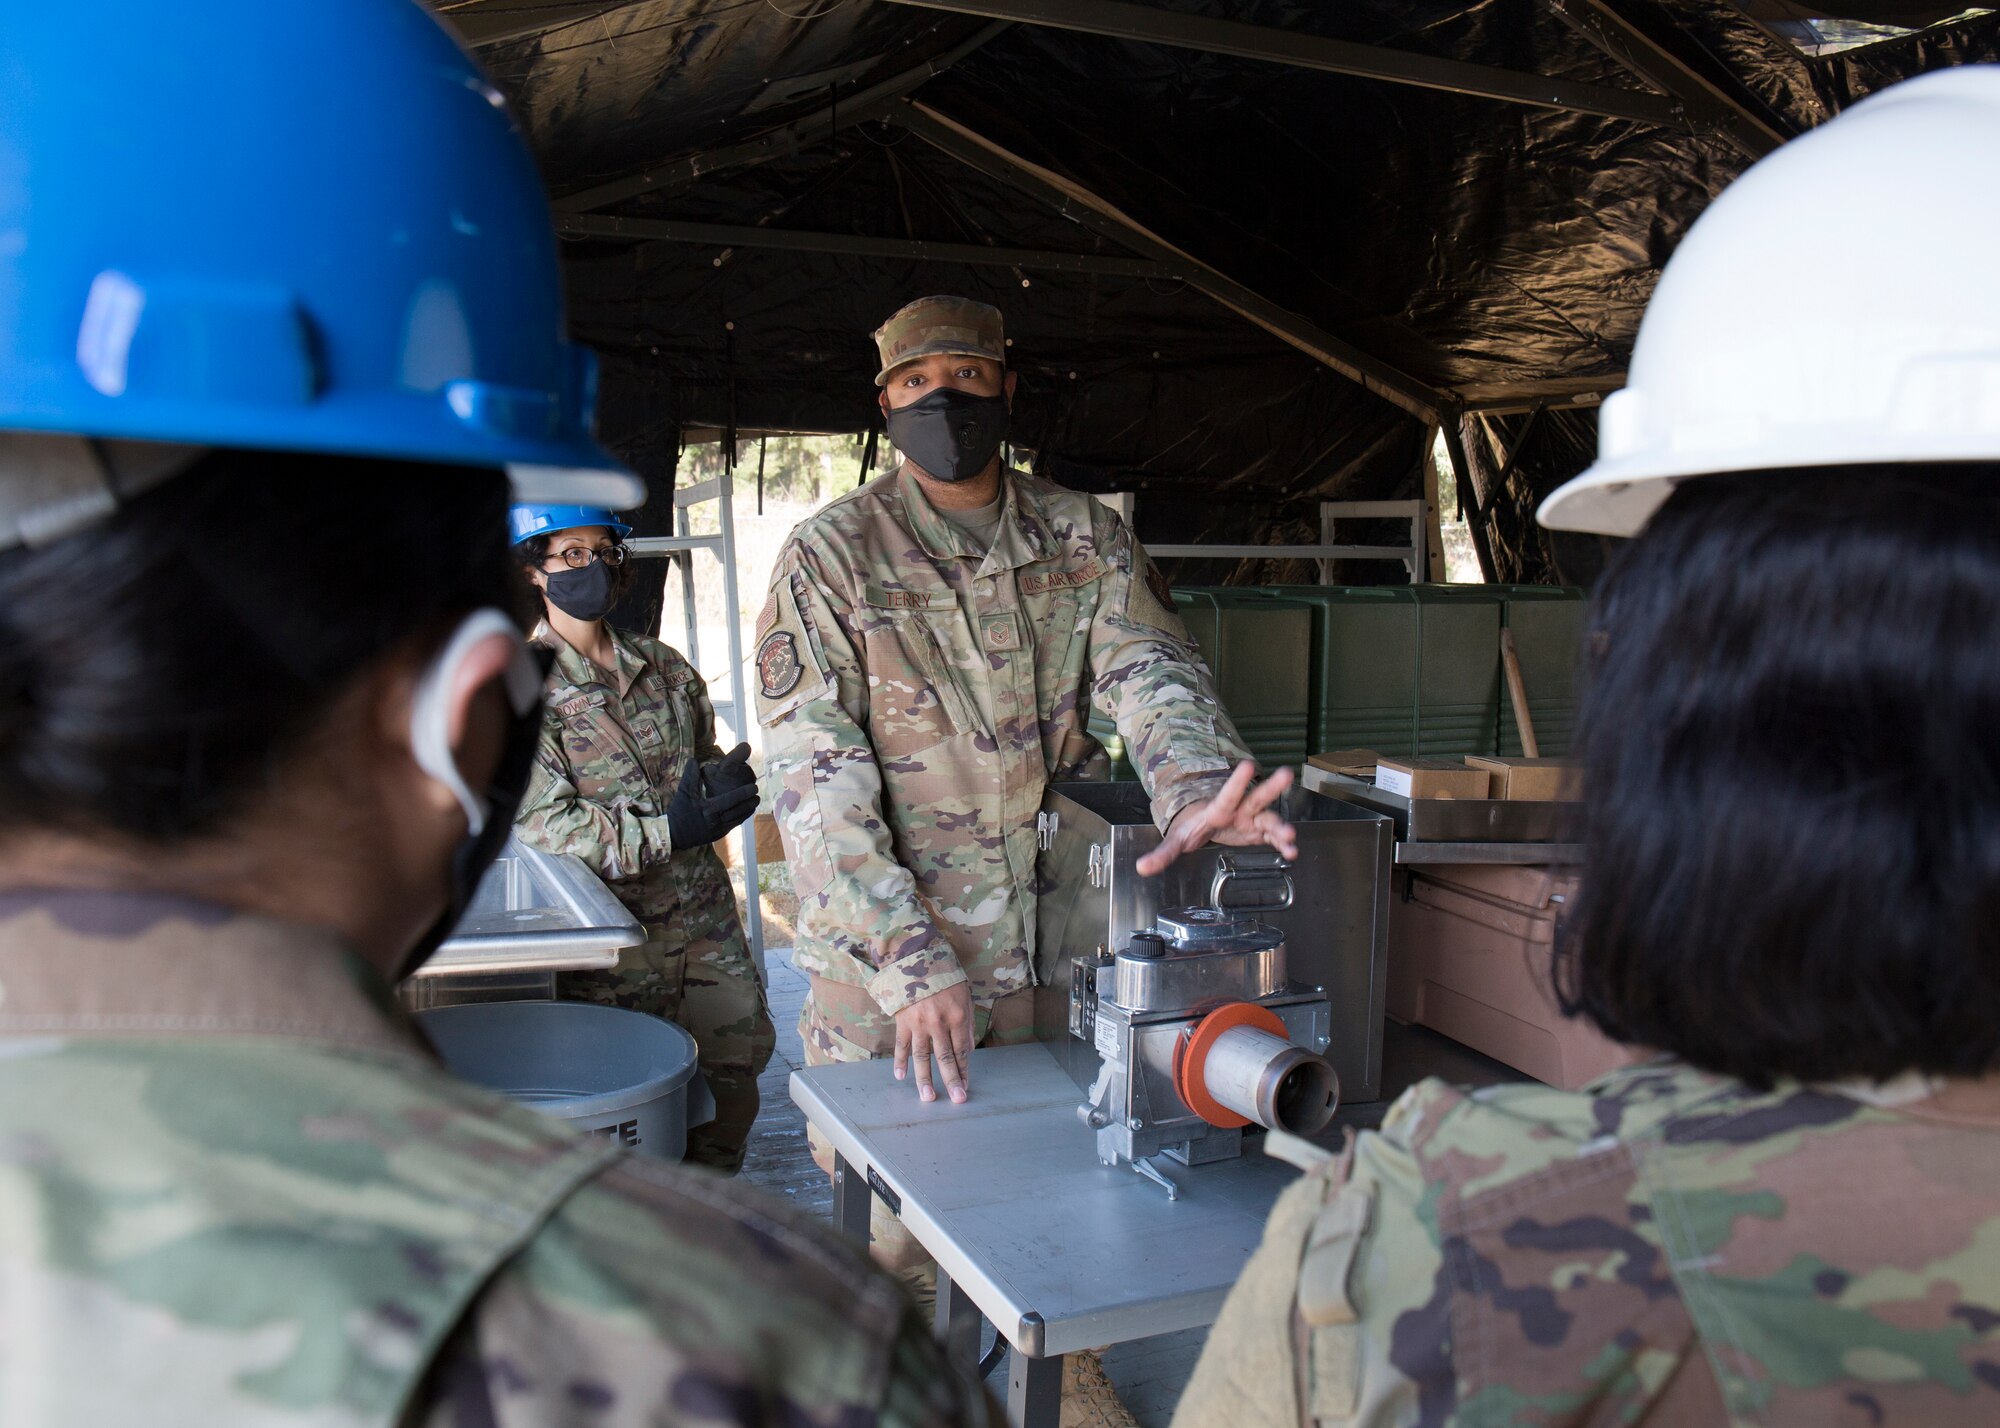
(1088, 1399)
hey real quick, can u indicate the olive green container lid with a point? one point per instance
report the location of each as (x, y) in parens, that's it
(1257, 649)
(1403, 669)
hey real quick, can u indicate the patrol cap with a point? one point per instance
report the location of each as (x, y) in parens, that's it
(953, 326)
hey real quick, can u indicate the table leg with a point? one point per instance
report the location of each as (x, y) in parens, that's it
(957, 1325)
(1034, 1390)
(851, 1199)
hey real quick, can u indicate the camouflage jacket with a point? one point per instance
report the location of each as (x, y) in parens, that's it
(610, 760)
(235, 1190)
(917, 697)
(1663, 1246)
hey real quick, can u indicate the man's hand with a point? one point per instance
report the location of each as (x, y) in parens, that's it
(1238, 815)
(938, 1028)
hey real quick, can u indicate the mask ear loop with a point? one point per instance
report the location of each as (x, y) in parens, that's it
(430, 711)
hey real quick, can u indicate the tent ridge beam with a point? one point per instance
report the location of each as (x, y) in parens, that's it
(869, 103)
(1706, 103)
(1116, 19)
(484, 25)
(1072, 201)
(725, 235)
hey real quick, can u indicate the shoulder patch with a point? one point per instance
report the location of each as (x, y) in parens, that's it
(1149, 599)
(768, 616)
(778, 664)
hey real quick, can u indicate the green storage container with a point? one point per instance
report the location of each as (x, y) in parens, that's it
(1401, 669)
(1548, 622)
(1256, 647)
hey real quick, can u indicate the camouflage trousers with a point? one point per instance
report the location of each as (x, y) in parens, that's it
(841, 1022)
(694, 970)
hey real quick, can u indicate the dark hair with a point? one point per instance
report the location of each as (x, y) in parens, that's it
(1791, 759)
(157, 667)
(532, 552)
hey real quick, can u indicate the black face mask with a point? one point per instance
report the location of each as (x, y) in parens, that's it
(586, 594)
(951, 434)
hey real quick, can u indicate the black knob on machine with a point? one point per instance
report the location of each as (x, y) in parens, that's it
(1148, 945)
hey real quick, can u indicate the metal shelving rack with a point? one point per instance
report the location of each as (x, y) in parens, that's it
(680, 548)
(1413, 556)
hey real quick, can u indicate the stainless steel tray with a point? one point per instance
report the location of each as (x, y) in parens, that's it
(535, 912)
(1452, 820)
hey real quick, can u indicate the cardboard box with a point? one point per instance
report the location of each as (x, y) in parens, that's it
(1531, 780)
(770, 847)
(1355, 763)
(1432, 778)
(1469, 957)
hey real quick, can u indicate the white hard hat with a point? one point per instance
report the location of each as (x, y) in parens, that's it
(1836, 306)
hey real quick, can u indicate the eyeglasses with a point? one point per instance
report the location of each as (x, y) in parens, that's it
(578, 556)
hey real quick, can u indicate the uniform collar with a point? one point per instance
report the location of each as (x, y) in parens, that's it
(94, 964)
(1022, 537)
(578, 670)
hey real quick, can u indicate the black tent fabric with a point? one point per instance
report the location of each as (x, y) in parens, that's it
(1493, 256)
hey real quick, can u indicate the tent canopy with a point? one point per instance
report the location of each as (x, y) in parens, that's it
(1256, 249)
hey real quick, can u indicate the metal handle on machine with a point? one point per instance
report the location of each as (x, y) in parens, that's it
(1228, 871)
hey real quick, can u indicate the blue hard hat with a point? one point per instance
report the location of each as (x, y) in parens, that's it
(303, 227)
(528, 520)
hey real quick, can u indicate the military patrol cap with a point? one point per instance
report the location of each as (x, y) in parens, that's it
(955, 326)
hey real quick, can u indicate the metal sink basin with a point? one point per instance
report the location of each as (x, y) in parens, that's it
(537, 912)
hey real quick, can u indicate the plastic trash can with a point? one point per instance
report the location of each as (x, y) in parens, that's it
(612, 1072)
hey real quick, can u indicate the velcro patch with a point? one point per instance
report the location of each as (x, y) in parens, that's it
(1149, 599)
(768, 616)
(778, 666)
(1062, 579)
(581, 704)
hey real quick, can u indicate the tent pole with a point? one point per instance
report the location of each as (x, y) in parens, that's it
(810, 129)
(1149, 25)
(1468, 495)
(1075, 202)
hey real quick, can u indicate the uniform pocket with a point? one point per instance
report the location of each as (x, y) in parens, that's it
(915, 700)
(803, 826)
(1194, 744)
(943, 676)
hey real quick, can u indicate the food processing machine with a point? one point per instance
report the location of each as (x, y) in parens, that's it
(1233, 992)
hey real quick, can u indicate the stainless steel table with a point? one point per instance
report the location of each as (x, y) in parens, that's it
(1005, 1191)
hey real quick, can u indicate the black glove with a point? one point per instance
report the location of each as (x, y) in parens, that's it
(693, 818)
(729, 773)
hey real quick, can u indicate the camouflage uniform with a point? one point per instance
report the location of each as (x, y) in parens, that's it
(917, 698)
(235, 1190)
(611, 757)
(1663, 1246)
